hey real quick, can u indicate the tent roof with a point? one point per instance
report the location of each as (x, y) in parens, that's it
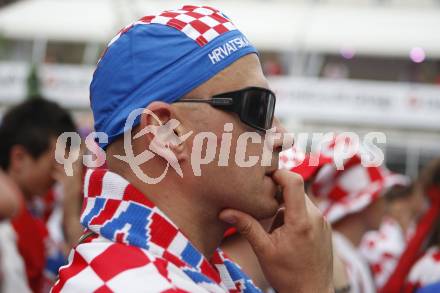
(269, 25)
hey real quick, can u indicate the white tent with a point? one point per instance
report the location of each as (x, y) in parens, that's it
(100, 20)
(273, 25)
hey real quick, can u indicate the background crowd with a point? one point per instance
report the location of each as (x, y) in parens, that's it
(385, 225)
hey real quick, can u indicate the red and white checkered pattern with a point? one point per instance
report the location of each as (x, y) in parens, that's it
(382, 250)
(426, 271)
(357, 269)
(135, 247)
(100, 265)
(306, 165)
(291, 158)
(350, 190)
(202, 24)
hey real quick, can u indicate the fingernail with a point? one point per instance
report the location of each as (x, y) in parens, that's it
(229, 219)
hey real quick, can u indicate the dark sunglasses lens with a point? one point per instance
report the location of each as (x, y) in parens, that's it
(258, 108)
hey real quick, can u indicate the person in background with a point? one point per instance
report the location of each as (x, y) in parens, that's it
(9, 204)
(9, 197)
(383, 248)
(426, 271)
(351, 200)
(28, 135)
(60, 209)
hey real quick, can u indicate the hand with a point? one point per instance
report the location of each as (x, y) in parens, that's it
(296, 256)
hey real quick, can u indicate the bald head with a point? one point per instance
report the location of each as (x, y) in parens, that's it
(244, 72)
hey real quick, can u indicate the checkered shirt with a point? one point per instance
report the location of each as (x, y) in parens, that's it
(136, 248)
(426, 271)
(382, 250)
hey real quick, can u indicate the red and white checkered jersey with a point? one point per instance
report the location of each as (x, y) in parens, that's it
(426, 270)
(382, 249)
(135, 247)
(358, 272)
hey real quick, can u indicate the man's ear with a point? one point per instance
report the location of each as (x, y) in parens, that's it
(162, 129)
(17, 157)
(157, 111)
(153, 116)
(181, 148)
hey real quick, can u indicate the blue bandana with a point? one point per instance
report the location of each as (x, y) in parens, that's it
(161, 58)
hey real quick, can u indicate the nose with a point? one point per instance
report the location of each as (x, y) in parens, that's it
(280, 131)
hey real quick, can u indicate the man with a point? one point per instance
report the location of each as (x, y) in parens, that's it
(28, 134)
(164, 236)
(351, 200)
(425, 271)
(383, 248)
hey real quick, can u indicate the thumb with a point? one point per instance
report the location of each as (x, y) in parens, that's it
(248, 227)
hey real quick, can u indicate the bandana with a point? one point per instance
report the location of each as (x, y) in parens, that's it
(161, 58)
(136, 246)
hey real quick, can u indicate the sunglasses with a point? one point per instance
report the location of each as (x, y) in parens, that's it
(254, 105)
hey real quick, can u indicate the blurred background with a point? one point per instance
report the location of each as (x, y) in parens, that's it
(336, 65)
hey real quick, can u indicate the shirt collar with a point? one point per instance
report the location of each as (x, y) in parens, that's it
(116, 210)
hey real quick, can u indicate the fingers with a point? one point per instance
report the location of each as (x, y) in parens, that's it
(278, 221)
(293, 194)
(249, 228)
